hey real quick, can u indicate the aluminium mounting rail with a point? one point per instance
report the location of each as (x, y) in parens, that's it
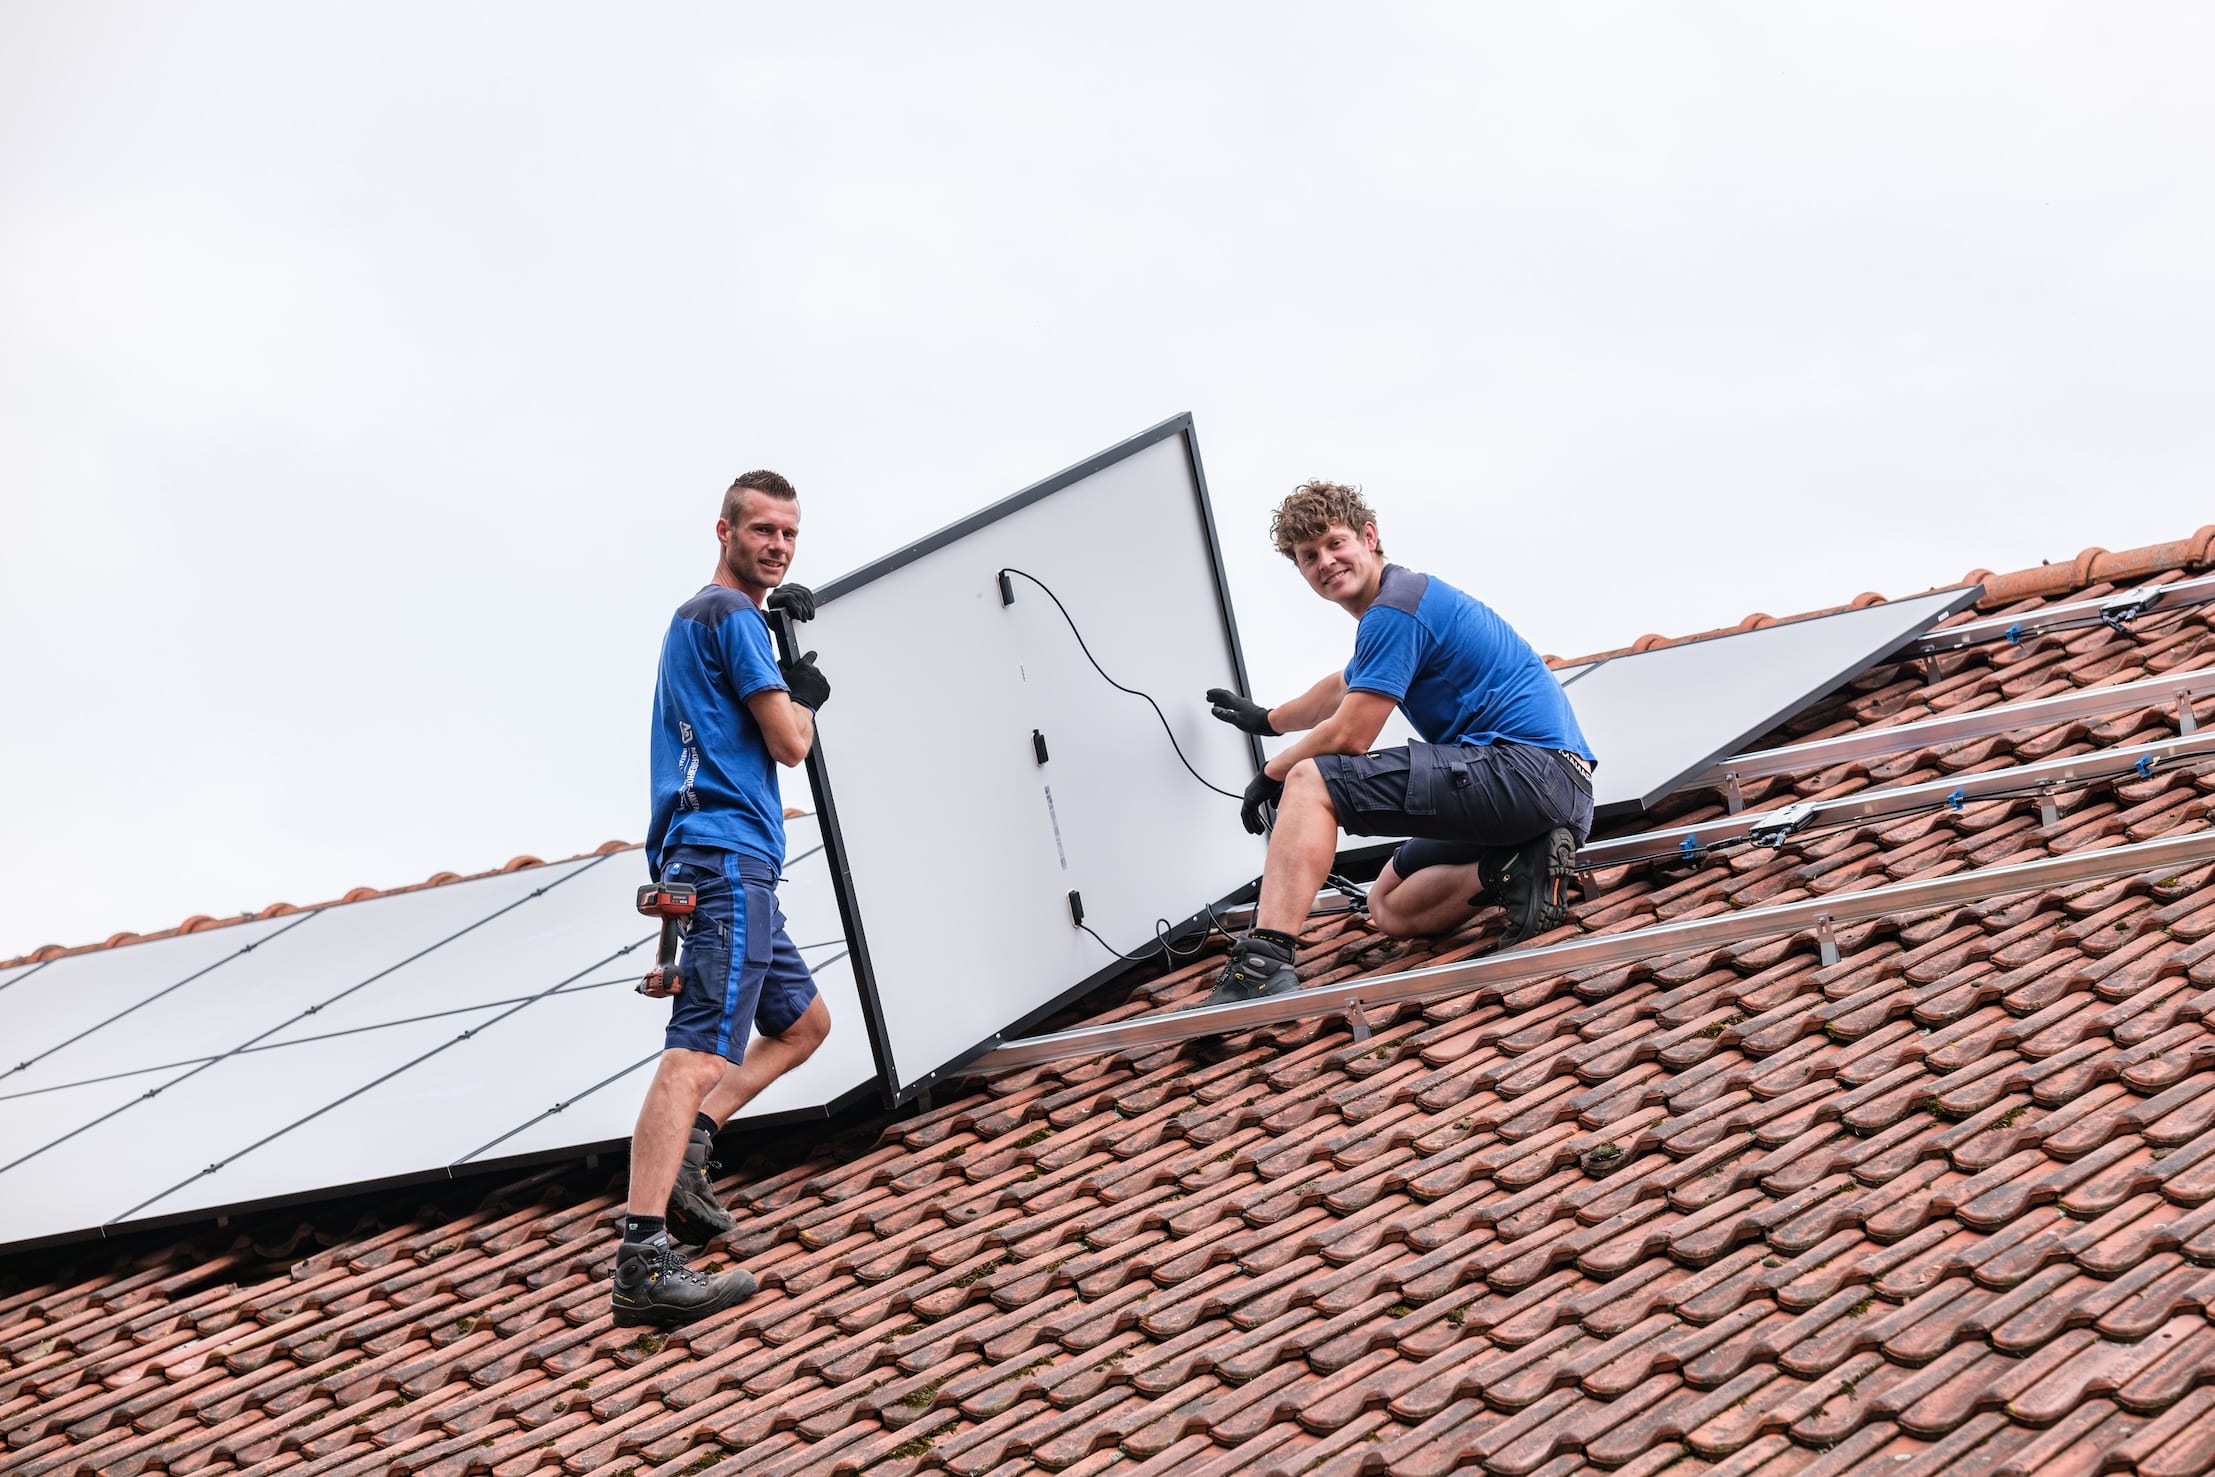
(2180, 688)
(2032, 781)
(1821, 915)
(2118, 610)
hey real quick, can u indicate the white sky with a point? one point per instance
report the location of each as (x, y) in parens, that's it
(368, 378)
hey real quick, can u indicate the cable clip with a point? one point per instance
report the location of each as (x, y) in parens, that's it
(1957, 799)
(2014, 634)
(1689, 846)
(2144, 766)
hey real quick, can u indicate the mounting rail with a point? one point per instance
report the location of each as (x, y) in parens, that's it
(2180, 688)
(1819, 916)
(2118, 610)
(2032, 781)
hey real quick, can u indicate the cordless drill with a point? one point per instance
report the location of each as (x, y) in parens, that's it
(670, 902)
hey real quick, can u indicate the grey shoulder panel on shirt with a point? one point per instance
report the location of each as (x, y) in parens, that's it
(712, 605)
(1401, 589)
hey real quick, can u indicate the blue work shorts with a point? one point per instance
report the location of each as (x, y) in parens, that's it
(739, 968)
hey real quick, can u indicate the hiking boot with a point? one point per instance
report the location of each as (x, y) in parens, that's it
(1259, 966)
(654, 1286)
(1531, 883)
(695, 1216)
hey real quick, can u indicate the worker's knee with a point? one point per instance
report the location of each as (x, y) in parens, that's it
(1393, 923)
(689, 1073)
(1385, 912)
(810, 1030)
(1303, 785)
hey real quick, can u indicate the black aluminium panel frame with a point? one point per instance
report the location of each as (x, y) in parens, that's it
(818, 768)
(1964, 597)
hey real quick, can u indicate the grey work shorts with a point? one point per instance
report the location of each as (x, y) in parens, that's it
(1457, 800)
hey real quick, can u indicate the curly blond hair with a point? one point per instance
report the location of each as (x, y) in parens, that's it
(1316, 506)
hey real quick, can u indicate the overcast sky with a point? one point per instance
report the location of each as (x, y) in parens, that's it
(369, 375)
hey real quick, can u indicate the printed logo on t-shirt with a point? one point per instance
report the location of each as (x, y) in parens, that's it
(688, 765)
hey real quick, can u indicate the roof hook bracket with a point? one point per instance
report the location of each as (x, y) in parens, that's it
(1733, 796)
(2188, 722)
(1357, 1021)
(2049, 815)
(1826, 940)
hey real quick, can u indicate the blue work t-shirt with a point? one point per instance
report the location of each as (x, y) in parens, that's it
(715, 783)
(1460, 673)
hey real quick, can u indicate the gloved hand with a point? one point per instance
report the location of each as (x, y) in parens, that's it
(805, 682)
(1239, 713)
(797, 600)
(1263, 791)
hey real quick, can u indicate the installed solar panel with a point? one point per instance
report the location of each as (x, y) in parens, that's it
(383, 1040)
(1657, 717)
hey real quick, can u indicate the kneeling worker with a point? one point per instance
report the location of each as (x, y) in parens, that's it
(1498, 796)
(726, 714)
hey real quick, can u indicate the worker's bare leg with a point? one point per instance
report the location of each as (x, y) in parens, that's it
(767, 1059)
(681, 1083)
(1433, 901)
(1301, 850)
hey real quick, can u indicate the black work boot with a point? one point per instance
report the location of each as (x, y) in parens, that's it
(1531, 883)
(1260, 965)
(695, 1216)
(654, 1286)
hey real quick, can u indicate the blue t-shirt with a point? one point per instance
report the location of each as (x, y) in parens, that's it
(715, 783)
(1460, 673)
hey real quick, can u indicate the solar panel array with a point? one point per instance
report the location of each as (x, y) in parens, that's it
(493, 1021)
(395, 1038)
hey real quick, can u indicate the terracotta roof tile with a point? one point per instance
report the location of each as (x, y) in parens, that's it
(1950, 1200)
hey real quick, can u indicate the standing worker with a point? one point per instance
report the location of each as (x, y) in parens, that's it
(726, 714)
(1498, 795)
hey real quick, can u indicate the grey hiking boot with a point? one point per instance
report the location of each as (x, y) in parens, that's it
(1260, 965)
(1531, 883)
(695, 1216)
(654, 1286)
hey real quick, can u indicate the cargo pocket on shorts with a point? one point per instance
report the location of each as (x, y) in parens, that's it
(762, 923)
(1423, 779)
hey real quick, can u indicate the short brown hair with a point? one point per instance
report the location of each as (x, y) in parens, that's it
(768, 483)
(1315, 507)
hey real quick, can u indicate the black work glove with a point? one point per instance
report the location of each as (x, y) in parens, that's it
(796, 600)
(1239, 713)
(1263, 791)
(805, 681)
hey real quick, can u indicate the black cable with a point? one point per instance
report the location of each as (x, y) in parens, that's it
(1161, 939)
(1119, 687)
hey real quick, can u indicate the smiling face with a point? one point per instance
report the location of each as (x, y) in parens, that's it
(1342, 565)
(759, 542)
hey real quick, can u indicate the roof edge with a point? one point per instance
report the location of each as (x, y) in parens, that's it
(2093, 566)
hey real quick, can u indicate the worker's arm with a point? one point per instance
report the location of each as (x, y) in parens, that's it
(786, 726)
(1351, 728)
(1317, 705)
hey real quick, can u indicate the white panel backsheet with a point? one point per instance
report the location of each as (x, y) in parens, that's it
(476, 1022)
(964, 848)
(1655, 717)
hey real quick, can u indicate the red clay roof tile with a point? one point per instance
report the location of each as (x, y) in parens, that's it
(1947, 1200)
